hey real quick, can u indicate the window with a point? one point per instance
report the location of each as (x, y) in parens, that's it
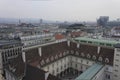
(106, 60)
(57, 69)
(100, 58)
(107, 68)
(116, 60)
(87, 62)
(116, 65)
(71, 64)
(83, 41)
(77, 53)
(81, 61)
(94, 57)
(101, 43)
(82, 54)
(65, 66)
(61, 67)
(81, 67)
(108, 45)
(88, 56)
(52, 65)
(76, 59)
(118, 49)
(72, 51)
(53, 72)
(48, 68)
(89, 42)
(107, 76)
(116, 75)
(116, 70)
(76, 65)
(117, 54)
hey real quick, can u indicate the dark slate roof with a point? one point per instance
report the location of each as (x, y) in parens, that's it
(17, 66)
(107, 53)
(33, 58)
(34, 73)
(58, 50)
(32, 55)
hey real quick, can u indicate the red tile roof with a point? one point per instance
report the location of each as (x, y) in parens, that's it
(59, 36)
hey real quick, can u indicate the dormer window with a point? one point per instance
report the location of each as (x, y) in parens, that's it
(52, 58)
(60, 55)
(47, 60)
(72, 52)
(94, 57)
(82, 54)
(77, 53)
(100, 58)
(67, 52)
(88, 56)
(63, 53)
(42, 62)
(106, 60)
(56, 57)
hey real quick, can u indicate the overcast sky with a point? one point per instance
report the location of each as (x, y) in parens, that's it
(61, 10)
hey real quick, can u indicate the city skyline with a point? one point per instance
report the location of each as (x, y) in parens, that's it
(61, 10)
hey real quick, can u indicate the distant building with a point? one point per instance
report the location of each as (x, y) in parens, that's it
(37, 39)
(9, 49)
(102, 21)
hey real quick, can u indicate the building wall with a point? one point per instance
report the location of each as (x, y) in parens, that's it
(6, 54)
(108, 72)
(10, 53)
(68, 62)
(36, 39)
(116, 65)
(1, 63)
(9, 76)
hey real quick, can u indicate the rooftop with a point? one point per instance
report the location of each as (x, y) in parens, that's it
(90, 73)
(8, 43)
(109, 43)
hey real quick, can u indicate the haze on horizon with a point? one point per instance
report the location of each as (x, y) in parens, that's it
(61, 10)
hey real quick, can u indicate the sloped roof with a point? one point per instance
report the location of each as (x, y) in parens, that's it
(33, 73)
(17, 66)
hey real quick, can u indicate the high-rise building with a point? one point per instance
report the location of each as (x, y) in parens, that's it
(102, 21)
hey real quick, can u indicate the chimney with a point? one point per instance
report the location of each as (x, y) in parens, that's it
(40, 51)
(23, 56)
(46, 75)
(68, 43)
